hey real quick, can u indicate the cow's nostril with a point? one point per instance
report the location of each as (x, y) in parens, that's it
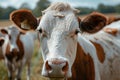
(65, 67)
(48, 67)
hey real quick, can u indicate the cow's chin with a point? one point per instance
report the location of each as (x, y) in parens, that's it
(56, 78)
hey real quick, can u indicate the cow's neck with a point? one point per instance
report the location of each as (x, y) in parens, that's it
(21, 47)
(83, 66)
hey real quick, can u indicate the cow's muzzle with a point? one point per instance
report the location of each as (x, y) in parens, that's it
(55, 68)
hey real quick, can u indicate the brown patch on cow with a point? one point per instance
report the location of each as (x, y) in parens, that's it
(112, 19)
(83, 67)
(4, 31)
(21, 15)
(100, 52)
(21, 48)
(93, 22)
(112, 31)
(8, 54)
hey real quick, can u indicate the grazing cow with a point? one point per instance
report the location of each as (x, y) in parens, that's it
(72, 48)
(17, 51)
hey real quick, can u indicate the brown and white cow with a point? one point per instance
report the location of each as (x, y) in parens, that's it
(17, 51)
(72, 48)
(1, 43)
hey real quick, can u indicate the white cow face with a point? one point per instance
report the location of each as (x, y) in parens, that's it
(58, 33)
(11, 37)
(58, 42)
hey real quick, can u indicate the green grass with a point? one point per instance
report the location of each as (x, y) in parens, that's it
(36, 67)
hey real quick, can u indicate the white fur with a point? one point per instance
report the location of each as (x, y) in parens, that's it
(109, 70)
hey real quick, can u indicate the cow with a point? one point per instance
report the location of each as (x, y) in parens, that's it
(74, 48)
(17, 51)
(1, 43)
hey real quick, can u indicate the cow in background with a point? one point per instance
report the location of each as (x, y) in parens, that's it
(17, 50)
(74, 48)
(1, 43)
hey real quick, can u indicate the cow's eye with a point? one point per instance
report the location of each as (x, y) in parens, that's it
(40, 30)
(77, 31)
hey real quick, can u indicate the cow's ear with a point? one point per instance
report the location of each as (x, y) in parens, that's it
(24, 19)
(93, 22)
(112, 19)
(4, 31)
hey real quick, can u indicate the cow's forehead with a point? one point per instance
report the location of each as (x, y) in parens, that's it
(51, 23)
(12, 30)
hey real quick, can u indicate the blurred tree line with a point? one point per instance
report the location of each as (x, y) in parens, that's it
(101, 8)
(43, 4)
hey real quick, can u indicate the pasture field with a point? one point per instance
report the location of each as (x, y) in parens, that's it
(37, 61)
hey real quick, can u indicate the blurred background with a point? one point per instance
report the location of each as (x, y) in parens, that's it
(108, 7)
(86, 6)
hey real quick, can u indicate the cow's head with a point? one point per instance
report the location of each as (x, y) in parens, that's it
(12, 42)
(59, 29)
